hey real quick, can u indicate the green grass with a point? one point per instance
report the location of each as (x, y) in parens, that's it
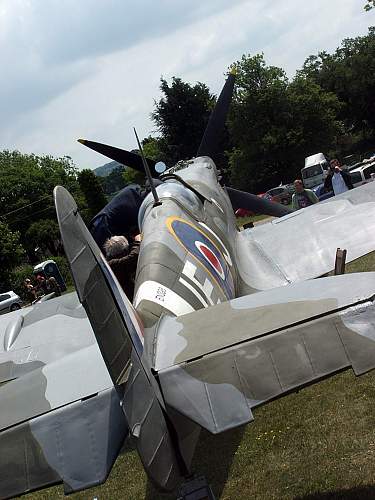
(318, 443)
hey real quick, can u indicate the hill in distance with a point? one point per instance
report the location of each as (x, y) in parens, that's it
(106, 169)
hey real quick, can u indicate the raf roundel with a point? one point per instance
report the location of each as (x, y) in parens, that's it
(199, 245)
(211, 258)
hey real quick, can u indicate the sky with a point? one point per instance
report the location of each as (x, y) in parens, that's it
(92, 68)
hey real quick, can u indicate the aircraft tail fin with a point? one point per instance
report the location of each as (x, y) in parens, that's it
(118, 331)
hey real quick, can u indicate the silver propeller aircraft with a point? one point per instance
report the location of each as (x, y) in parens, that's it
(222, 321)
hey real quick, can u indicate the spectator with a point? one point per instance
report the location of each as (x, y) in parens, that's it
(31, 291)
(53, 286)
(123, 261)
(41, 284)
(120, 215)
(337, 179)
(302, 197)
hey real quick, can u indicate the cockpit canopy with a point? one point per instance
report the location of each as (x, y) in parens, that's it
(172, 189)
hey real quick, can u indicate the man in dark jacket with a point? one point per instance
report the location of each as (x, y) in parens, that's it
(123, 259)
(337, 180)
(119, 216)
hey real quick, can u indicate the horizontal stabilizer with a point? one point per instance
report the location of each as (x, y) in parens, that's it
(227, 359)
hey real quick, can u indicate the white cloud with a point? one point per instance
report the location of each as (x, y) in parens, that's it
(71, 73)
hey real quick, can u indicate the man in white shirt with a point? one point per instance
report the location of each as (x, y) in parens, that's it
(339, 179)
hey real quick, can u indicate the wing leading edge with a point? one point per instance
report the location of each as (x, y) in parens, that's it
(313, 234)
(231, 358)
(60, 418)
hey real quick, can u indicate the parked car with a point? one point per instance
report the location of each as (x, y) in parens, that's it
(362, 174)
(242, 212)
(9, 301)
(321, 192)
(278, 195)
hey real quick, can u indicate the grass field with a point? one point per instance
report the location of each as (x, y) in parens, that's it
(318, 443)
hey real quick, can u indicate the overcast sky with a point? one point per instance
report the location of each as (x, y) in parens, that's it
(92, 68)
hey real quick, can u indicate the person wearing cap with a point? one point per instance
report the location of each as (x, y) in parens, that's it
(302, 197)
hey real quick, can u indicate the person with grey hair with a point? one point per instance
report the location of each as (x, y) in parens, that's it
(123, 259)
(116, 247)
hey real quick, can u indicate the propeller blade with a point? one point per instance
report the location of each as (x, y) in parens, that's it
(248, 201)
(122, 156)
(212, 135)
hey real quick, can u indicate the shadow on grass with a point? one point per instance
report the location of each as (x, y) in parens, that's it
(213, 459)
(362, 492)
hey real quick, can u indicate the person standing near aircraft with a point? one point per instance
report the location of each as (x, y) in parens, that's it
(120, 215)
(302, 197)
(123, 261)
(337, 179)
(31, 291)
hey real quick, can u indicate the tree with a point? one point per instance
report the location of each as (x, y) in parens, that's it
(93, 192)
(181, 117)
(275, 124)
(132, 176)
(258, 122)
(314, 126)
(348, 73)
(26, 185)
(369, 5)
(153, 148)
(11, 253)
(114, 181)
(45, 234)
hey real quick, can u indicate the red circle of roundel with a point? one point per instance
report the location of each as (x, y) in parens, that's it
(210, 257)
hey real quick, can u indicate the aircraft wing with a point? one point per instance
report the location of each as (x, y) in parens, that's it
(303, 245)
(216, 364)
(60, 416)
(35, 336)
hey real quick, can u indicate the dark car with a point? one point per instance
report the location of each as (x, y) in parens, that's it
(321, 193)
(278, 195)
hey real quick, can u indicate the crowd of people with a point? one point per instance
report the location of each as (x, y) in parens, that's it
(337, 180)
(38, 286)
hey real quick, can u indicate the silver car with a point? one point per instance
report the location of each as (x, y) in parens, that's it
(9, 301)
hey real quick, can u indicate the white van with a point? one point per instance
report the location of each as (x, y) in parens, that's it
(315, 170)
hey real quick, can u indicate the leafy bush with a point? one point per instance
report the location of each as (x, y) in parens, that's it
(18, 275)
(17, 278)
(63, 266)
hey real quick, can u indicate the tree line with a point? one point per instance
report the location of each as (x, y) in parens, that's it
(273, 124)
(276, 121)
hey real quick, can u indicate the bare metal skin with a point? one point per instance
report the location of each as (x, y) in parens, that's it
(222, 321)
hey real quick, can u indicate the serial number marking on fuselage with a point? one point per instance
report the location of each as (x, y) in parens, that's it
(164, 296)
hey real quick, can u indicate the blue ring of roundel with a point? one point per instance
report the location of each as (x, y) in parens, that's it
(188, 235)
